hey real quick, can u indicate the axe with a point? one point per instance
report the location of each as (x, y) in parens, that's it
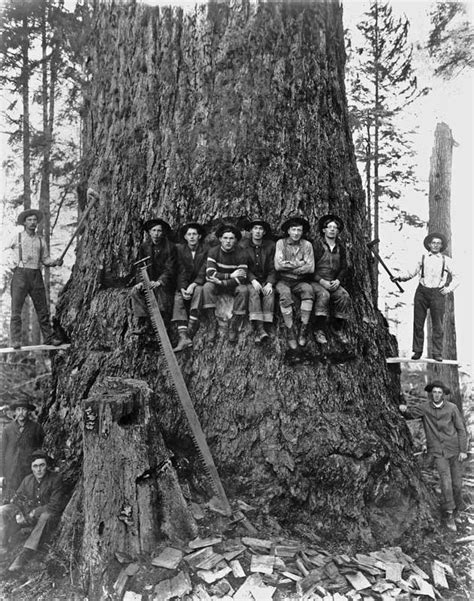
(92, 197)
(370, 246)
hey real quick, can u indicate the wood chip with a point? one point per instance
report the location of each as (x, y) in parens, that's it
(131, 596)
(262, 564)
(419, 572)
(421, 586)
(222, 589)
(211, 576)
(358, 581)
(232, 554)
(195, 558)
(237, 569)
(178, 586)
(286, 551)
(257, 542)
(209, 562)
(240, 517)
(169, 558)
(393, 571)
(439, 575)
(200, 593)
(291, 576)
(308, 585)
(196, 511)
(199, 543)
(301, 567)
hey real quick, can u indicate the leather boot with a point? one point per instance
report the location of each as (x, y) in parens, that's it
(260, 333)
(340, 331)
(213, 330)
(193, 327)
(183, 342)
(291, 338)
(303, 335)
(234, 327)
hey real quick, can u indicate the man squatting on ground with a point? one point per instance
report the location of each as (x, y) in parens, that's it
(30, 252)
(192, 257)
(330, 268)
(446, 441)
(226, 272)
(433, 268)
(261, 276)
(19, 439)
(39, 502)
(161, 270)
(294, 262)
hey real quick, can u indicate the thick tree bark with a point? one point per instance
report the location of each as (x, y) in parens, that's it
(221, 112)
(440, 221)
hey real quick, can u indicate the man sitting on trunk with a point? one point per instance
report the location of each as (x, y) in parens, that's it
(192, 255)
(330, 267)
(294, 263)
(226, 272)
(38, 502)
(261, 275)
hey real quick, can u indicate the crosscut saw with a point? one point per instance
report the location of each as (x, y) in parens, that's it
(181, 388)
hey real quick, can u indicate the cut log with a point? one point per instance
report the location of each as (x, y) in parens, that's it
(131, 493)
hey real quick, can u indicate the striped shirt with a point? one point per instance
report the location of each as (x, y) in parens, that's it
(221, 263)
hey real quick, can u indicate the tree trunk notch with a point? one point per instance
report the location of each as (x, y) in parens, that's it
(132, 497)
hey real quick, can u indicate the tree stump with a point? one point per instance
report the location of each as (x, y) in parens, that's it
(132, 497)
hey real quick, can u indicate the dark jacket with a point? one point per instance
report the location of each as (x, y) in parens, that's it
(191, 270)
(319, 246)
(48, 494)
(163, 264)
(261, 265)
(444, 428)
(16, 451)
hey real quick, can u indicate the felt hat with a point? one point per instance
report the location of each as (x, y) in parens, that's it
(429, 238)
(292, 221)
(40, 454)
(325, 219)
(192, 224)
(22, 403)
(264, 224)
(437, 384)
(28, 213)
(152, 222)
(228, 227)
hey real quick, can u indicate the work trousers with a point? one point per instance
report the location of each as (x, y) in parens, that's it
(139, 306)
(432, 299)
(260, 306)
(338, 300)
(44, 523)
(450, 476)
(210, 292)
(180, 305)
(286, 288)
(28, 282)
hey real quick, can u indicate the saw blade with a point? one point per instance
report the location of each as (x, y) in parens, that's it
(182, 391)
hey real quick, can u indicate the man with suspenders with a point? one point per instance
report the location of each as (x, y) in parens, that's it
(30, 253)
(435, 270)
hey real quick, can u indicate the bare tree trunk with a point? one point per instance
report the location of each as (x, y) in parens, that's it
(440, 221)
(230, 110)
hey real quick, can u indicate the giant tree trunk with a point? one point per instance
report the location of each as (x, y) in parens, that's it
(220, 112)
(440, 221)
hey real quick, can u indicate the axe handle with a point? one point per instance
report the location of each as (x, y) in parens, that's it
(382, 262)
(78, 227)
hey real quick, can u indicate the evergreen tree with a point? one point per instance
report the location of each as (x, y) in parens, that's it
(382, 83)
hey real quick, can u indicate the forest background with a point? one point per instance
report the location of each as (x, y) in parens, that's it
(447, 100)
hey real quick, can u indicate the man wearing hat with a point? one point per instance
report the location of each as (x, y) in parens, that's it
(38, 502)
(162, 268)
(446, 440)
(30, 252)
(261, 276)
(294, 263)
(20, 437)
(226, 273)
(437, 279)
(330, 268)
(192, 255)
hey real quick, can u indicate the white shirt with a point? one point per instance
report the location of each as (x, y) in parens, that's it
(33, 251)
(430, 270)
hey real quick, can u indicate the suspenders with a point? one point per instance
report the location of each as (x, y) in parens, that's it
(443, 268)
(20, 249)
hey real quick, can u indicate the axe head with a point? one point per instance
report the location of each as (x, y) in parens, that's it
(373, 243)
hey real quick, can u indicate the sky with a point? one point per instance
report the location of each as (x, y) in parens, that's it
(450, 102)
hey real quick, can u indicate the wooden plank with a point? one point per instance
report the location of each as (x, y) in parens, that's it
(422, 360)
(439, 575)
(262, 564)
(237, 569)
(199, 543)
(34, 348)
(358, 581)
(169, 558)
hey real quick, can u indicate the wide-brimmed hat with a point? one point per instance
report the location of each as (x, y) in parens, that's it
(157, 221)
(437, 384)
(429, 238)
(24, 214)
(266, 226)
(20, 403)
(228, 227)
(292, 221)
(40, 454)
(192, 224)
(325, 219)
